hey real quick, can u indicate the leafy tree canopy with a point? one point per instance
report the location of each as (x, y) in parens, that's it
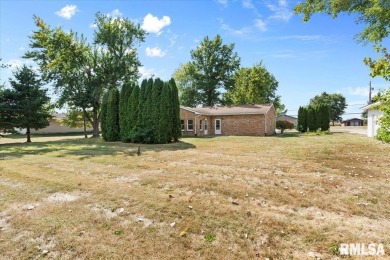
(383, 99)
(188, 94)
(210, 71)
(335, 102)
(254, 85)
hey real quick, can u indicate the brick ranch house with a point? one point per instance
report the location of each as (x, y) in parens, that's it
(255, 120)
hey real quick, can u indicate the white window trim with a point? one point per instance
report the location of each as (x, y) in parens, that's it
(190, 130)
(184, 124)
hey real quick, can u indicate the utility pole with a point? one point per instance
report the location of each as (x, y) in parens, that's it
(369, 92)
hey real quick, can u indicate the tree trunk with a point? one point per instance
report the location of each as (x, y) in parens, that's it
(85, 124)
(95, 123)
(28, 135)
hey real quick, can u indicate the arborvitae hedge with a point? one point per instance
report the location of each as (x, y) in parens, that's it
(112, 116)
(311, 119)
(150, 114)
(176, 127)
(124, 112)
(302, 119)
(323, 112)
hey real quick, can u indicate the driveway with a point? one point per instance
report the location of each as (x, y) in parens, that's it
(349, 129)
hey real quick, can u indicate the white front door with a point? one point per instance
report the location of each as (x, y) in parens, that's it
(205, 132)
(218, 126)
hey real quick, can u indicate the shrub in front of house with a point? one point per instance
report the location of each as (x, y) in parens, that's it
(283, 125)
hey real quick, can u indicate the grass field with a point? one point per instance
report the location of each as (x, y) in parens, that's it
(283, 197)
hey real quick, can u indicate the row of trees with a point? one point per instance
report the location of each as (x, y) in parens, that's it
(146, 114)
(82, 71)
(213, 76)
(313, 118)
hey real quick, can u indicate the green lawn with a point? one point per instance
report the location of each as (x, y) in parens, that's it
(281, 197)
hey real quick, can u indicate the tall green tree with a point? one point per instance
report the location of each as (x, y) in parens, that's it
(311, 119)
(165, 115)
(141, 105)
(81, 72)
(124, 111)
(211, 69)
(335, 102)
(118, 38)
(322, 117)
(188, 93)
(134, 109)
(302, 119)
(374, 14)
(254, 85)
(112, 116)
(28, 101)
(155, 112)
(175, 120)
(5, 114)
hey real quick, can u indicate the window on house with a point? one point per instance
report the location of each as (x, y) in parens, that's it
(200, 125)
(190, 125)
(182, 125)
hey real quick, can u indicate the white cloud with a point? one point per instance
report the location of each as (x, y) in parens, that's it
(247, 4)
(67, 12)
(152, 24)
(93, 25)
(146, 73)
(115, 13)
(280, 10)
(154, 52)
(260, 24)
(301, 37)
(172, 38)
(223, 2)
(241, 31)
(283, 3)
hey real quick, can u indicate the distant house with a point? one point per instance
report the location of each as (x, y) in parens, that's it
(352, 122)
(373, 115)
(54, 127)
(255, 120)
(290, 119)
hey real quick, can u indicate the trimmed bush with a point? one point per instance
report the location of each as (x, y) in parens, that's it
(283, 125)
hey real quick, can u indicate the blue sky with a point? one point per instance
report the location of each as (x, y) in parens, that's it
(306, 58)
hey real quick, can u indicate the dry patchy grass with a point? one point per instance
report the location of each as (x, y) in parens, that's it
(211, 198)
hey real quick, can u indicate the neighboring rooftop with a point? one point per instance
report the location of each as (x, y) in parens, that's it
(258, 109)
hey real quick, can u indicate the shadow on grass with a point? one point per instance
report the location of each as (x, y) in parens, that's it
(85, 148)
(290, 134)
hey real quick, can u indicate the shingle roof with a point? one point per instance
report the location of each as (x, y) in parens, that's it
(256, 109)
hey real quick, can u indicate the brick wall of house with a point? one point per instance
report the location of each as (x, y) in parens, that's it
(251, 125)
(240, 125)
(270, 121)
